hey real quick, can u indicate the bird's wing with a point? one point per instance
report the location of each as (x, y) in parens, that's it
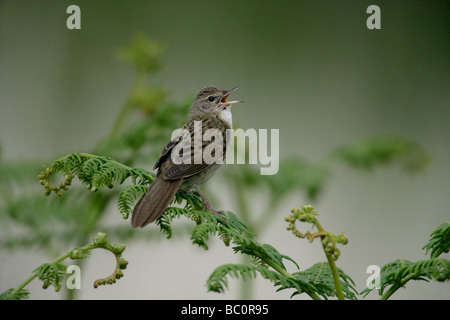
(179, 171)
(196, 164)
(184, 168)
(181, 137)
(166, 152)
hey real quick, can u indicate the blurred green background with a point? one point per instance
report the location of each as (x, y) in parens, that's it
(309, 68)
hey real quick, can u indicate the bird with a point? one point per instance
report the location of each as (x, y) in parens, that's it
(209, 110)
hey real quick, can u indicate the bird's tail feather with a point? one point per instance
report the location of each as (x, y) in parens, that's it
(152, 204)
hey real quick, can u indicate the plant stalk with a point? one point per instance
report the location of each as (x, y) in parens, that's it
(333, 268)
(35, 274)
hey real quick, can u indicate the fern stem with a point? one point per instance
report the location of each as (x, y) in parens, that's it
(92, 156)
(394, 288)
(333, 268)
(99, 242)
(283, 271)
(334, 273)
(35, 274)
(246, 288)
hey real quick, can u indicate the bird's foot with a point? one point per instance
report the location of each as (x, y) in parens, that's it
(207, 205)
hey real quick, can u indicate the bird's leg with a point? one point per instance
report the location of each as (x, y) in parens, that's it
(207, 204)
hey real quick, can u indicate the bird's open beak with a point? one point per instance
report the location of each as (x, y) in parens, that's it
(224, 101)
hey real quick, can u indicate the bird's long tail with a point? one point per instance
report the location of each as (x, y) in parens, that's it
(152, 204)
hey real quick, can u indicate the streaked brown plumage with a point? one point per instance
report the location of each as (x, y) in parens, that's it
(212, 110)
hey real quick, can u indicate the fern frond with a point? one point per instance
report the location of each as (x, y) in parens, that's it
(218, 282)
(52, 274)
(277, 256)
(228, 229)
(439, 241)
(89, 168)
(193, 200)
(319, 275)
(201, 233)
(107, 174)
(11, 294)
(383, 150)
(233, 222)
(101, 241)
(94, 171)
(201, 216)
(397, 273)
(140, 176)
(71, 164)
(262, 253)
(165, 220)
(436, 268)
(128, 197)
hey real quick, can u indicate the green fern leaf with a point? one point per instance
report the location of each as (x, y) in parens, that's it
(165, 220)
(200, 234)
(397, 273)
(128, 197)
(383, 150)
(94, 171)
(52, 274)
(11, 295)
(319, 276)
(439, 241)
(72, 163)
(218, 282)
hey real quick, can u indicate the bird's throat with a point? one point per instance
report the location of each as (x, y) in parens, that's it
(226, 116)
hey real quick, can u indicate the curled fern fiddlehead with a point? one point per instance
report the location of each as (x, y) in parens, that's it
(121, 264)
(96, 172)
(54, 272)
(329, 240)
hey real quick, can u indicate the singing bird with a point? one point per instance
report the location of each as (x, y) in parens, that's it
(211, 110)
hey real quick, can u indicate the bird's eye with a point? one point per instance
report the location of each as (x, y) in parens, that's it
(211, 98)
